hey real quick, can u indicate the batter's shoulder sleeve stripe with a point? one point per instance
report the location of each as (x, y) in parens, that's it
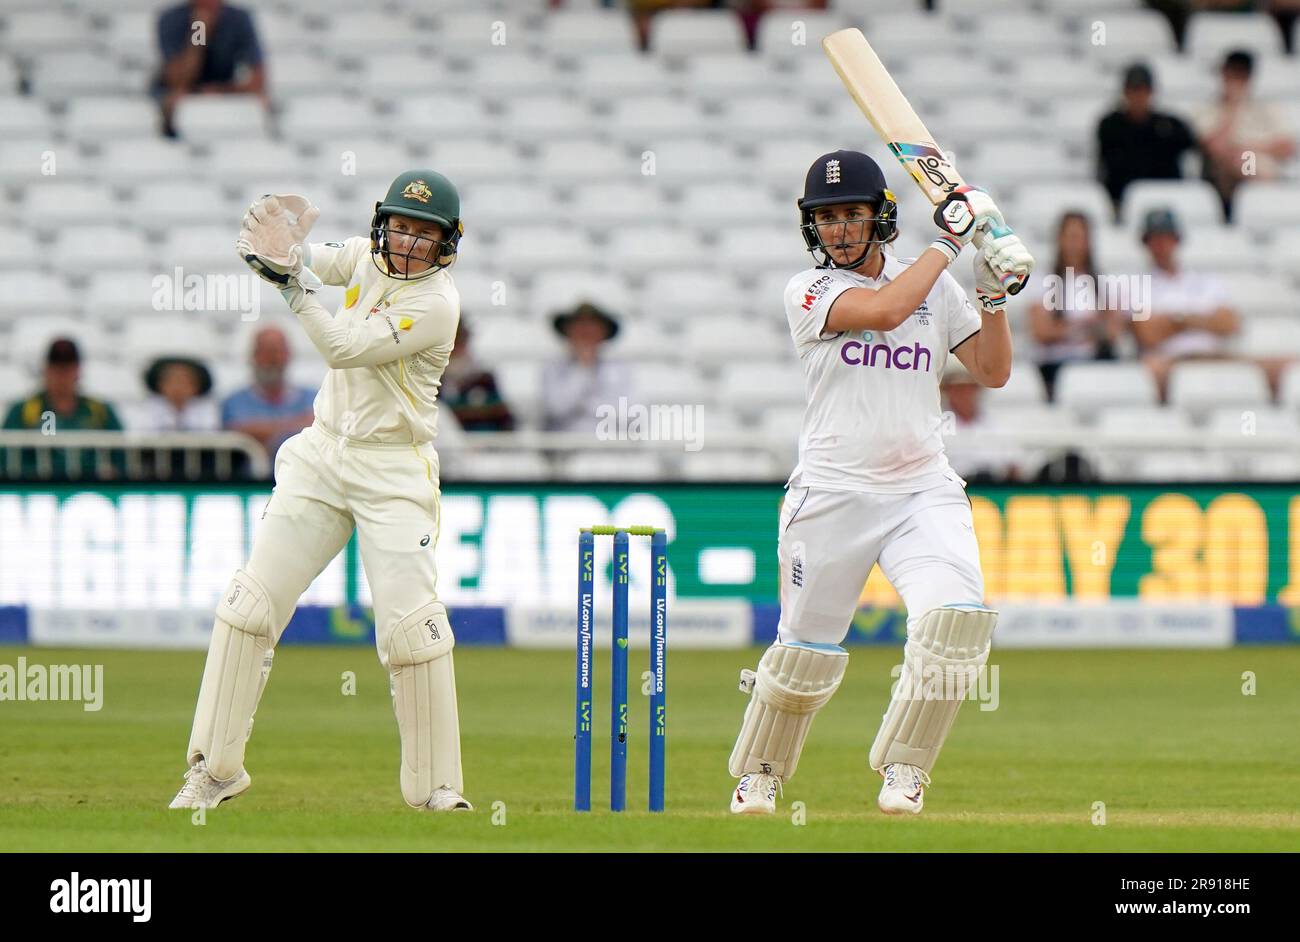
(963, 340)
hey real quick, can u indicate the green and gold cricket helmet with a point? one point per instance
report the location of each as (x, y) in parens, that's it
(420, 194)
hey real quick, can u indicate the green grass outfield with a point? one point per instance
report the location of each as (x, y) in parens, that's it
(1182, 759)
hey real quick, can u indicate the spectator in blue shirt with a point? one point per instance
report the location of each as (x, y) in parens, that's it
(270, 410)
(207, 47)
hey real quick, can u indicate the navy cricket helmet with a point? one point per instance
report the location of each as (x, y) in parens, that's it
(846, 176)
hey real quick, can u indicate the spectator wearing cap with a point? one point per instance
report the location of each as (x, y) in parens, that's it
(271, 409)
(180, 402)
(207, 47)
(470, 390)
(1135, 142)
(60, 406)
(574, 385)
(1243, 139)
(1190, 316)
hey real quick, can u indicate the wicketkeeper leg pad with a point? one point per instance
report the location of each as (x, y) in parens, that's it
(792, 683)
(424, 700)
(941, 663)
(234, 676)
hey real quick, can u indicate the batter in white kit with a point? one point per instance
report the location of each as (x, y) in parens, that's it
(366, 463)
(872, 485)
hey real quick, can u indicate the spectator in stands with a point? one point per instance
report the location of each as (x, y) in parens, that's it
(965, 432)
(208, 47)
(180, 402)
(1243, 139)
(574, 385)
(1137, 143)
(271, 409)
(470, 391)
(59, 406)
(1064, 329)
(1190, 317)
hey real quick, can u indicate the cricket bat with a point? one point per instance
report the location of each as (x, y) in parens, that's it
(890, 113)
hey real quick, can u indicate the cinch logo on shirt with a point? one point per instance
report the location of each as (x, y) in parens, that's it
(856, 353)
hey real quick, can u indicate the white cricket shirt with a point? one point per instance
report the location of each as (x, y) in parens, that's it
(386, 346)
(873, 420)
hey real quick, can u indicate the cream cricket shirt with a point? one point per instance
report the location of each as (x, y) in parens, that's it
(386, 346)
(873, 421)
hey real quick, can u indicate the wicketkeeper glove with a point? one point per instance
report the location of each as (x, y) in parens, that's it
(271, 240)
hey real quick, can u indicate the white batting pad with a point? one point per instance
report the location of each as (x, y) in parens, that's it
(941, 661)
(233, 677)
(424, 700)
(792, 683)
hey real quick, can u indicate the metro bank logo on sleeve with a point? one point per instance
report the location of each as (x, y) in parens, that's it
(865, 353)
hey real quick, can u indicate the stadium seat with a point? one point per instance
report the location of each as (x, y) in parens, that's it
(478, 34)
(582, 33)
(504, 76)
(54, 203)
(244, 163)
(499, 341)
(1024, 388)
(1264, 466)
(1237, 422)
(635, 204)
(121, 384)
(711, 464)
(688, 160)
(642, 340)
(102, 248)
(756, 385)
(645, 248)
(203, 248)
(1165, 467)
(306, 119)
(523, 249)
(1016, 32)
(903, 34)
(1040, 205)
(696, 32)
(140, 160)
(613, 76)
(583, 161)
(498, 466)
(645, 122)
(1128, 35)
(31, 337)
(1088, 386)
(160, 205)
(623, 464)
(540, 118)
(1266, 205)
(361, 33)
(795, 33)
(1211, 34)
(1220, 249)
(203, 118)
(1269, 337)
(671, 383)
(24, 118)
(1195, 201)
(723, 338)
(64, 75)
(131, 33)
(520, 385)
(765, 117)
(736, 78)
(1162, 426)
(558, 289)
(1256, 295)
(147, 336)
(17, 381)
(758, 248)
(713, 205)
(39, 32)
(466, 160)
(1200, 386)
(688, 293)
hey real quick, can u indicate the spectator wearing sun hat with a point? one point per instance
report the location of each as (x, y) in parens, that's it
(575, 384)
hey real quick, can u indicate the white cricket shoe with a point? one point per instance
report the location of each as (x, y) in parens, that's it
(904, 789)
(446, 798)
(755, 793)
(201, 790)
